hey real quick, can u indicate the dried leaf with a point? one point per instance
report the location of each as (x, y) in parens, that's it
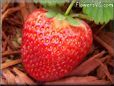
(88, 80)
(10, 63)
(19, 81)
(3, 81)
(10, 52)
(23, 77)
(100, 73)
(109, 40)
(112, 78)
(7, 39)
(9, 11)
(105, 45)
(87, 66)
(31, 6)
(10, 78)
(105, 69)
(5, 4)
(110, 34)
(111, 63)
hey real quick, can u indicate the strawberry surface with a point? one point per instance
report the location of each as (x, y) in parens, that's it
(51, 48)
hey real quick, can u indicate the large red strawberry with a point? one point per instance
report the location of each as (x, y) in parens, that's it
(51, 48)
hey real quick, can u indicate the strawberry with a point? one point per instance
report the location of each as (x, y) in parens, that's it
(52, 48)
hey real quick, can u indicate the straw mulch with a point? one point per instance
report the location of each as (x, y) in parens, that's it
(96, 68)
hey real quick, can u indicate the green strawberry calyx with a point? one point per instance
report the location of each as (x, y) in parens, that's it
(57, 14)
(60, 17)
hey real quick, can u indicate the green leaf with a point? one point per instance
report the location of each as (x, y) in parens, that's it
(72, 21)
(51, 2)
(99, 14)
(36, 1)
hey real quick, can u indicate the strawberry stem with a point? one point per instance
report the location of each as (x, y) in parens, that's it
(70, 7)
